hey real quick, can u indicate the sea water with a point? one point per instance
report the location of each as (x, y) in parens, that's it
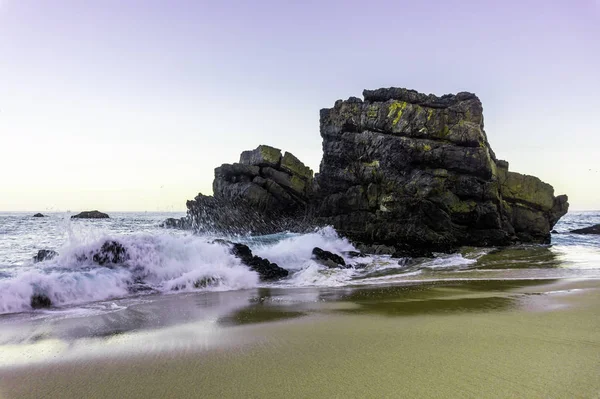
(170, 262)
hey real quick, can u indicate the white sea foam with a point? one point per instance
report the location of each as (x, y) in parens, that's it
(162, 262)
(168, 262)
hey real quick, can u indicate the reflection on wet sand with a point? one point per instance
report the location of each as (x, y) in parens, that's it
(272, 304)
(519, 257)
(452, 339)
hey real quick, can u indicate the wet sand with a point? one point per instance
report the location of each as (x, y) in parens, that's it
(486, 339)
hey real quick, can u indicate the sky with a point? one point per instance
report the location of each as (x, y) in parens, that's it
(130, 105)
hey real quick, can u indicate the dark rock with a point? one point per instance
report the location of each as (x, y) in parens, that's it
(44, 254)
(416, 171)
(264, 193)
(243, 252)
(403, 172)
(90, 215)
(263, 155)
(38, 215)
(111, 252)
(595, 229)
(40, 301)
(172, 223)
(265, 269)
(328, 259)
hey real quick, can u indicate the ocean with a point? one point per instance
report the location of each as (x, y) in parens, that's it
(168, 262)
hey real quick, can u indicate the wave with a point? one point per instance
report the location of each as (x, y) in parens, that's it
(165, 262)
(161, 263)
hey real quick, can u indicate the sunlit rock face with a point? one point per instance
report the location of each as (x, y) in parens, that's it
(408, 169)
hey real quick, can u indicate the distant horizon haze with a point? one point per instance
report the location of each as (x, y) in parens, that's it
(129, 106)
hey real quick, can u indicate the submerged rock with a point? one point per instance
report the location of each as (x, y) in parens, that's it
(90, 215)
(328, 259)
(405, 168)
(44, 254)
(111, 252)
(40, 301)
(595, 229)
(38, 215)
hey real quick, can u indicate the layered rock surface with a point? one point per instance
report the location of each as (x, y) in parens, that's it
(265, 192)
(406, 169)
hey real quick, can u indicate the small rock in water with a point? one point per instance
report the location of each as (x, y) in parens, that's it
(38, 215)
(44, 254)
(111, 252)
(39, 301)
(90, 215)
(266, 269)
(595, 229)
(206, 282)
(328, 259)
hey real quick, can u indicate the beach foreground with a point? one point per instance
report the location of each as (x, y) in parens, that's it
(452, 339)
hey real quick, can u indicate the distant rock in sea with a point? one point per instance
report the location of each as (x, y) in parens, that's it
(401, 170)
(38, 215)
(90, 215)
(595, 229)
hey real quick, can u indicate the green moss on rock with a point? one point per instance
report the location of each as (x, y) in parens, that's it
(395, 110)
(263, 155)
(293, 165)
(527, 189)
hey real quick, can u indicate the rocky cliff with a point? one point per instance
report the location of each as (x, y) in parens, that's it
(265, 192)
(399, 169)
(405, 168)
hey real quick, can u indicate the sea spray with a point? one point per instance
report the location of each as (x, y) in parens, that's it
(159, 262)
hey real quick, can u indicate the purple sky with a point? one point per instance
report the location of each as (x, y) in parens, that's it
(129, 105)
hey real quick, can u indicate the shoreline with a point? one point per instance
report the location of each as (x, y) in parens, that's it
(467, 339)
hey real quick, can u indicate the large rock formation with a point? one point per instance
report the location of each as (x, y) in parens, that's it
(400, 171)
(265, 192)
(407, 169)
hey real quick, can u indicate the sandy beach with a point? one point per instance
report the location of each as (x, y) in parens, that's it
(492, 339)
